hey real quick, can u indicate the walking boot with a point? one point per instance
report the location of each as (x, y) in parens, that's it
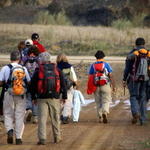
(10, 136)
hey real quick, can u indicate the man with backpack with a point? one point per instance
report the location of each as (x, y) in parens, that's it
(15, 79)
(99, 82)
(136, 77)
(48, 84)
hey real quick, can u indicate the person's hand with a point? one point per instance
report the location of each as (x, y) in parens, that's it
(63, 101)
(124, 83)
(114, 89)
(34, 101)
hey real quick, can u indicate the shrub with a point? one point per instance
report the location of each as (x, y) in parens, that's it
(44, 17)
(122, 24)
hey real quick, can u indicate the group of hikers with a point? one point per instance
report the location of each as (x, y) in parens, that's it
(34, 87)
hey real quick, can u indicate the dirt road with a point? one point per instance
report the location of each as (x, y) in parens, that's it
(76, 59)
(88, 134)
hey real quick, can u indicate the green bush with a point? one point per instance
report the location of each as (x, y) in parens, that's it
(137, 20)
(122, 24)
(44, 17)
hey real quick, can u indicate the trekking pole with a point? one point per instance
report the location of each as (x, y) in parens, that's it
(124, 90)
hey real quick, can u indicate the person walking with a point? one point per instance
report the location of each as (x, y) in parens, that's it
(100, 81)
(36, 38)
(77, 100)
(32, 65)
(15, 78)
(48, 84)
(136, 78)
(70, 78)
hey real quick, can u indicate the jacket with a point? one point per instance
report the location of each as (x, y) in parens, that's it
(129, 64)
(34, 87)
(40, 46)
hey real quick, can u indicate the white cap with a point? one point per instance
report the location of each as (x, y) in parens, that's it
(28, 42)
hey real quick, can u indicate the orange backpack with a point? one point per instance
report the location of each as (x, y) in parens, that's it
(16, 82)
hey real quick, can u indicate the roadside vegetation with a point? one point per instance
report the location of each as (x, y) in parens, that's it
(74, 40)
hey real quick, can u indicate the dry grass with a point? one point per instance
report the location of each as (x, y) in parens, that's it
(107, 38)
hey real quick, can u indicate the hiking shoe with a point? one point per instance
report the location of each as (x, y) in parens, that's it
(135, 118)
(104, 118)
(57, 140)
(10, 136)
(35, 119)
(1, 118)
(66, 120)
(100, 120)
(18, 142)
(41, 142)
(28, 115)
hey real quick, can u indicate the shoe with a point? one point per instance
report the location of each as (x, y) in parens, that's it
(135, 118)
(75, 121)
(1, 118)
(66, 120)
(41, 142)
(57, 140)
(10, 136)
(35, 119)
(100, 120)
(28, 115)
(104, 118)
(18, 142)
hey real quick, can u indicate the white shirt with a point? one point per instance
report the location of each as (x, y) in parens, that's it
(5, 72)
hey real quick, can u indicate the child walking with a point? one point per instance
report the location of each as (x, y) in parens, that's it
(77, 100)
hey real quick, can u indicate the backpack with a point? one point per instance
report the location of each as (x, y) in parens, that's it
(48, 81)
(16, 83)
(140, 67)
(67, 79)
(31, 64)
(100, 74)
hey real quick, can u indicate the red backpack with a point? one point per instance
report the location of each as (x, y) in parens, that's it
(100, 77)
(48, 80)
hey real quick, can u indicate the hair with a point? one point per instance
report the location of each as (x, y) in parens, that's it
(140, 41)
(21, 45)
(99, 54)
(15, 55)
(61, 58)
(44, 57)
(33, 49)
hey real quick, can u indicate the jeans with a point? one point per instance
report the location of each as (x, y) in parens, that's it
(31, 106)
(138, 98)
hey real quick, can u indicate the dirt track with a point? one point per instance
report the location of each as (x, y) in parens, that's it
(88, 134)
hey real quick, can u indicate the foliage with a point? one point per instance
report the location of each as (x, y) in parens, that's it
(122, 24)
(44, 17)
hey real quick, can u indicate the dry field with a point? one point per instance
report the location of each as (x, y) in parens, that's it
(112, 41)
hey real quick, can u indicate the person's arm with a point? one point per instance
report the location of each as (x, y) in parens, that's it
(73, 75)
(112, 82)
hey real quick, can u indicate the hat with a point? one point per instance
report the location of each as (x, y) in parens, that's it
(45, 56)
(28, 42)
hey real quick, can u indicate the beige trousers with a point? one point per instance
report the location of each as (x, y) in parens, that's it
(103, 99)
(51, 106)
(14, 108)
